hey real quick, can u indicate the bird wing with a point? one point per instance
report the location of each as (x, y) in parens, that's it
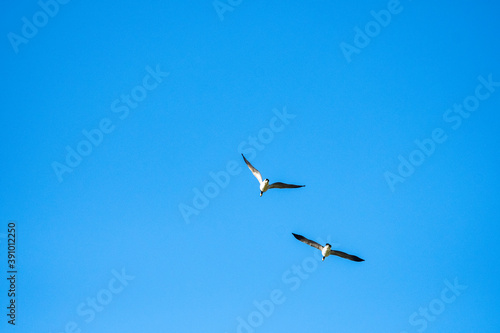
(255, 172)
(308, 241)
(283, 185)
(345, 255)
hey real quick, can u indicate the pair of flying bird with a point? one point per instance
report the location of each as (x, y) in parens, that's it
(325, 250)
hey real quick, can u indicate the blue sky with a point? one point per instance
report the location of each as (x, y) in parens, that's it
(123, 128)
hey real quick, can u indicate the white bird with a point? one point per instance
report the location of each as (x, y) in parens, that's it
(264, 184)
(327, 249)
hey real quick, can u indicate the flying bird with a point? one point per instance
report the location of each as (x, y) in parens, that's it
(327, 249)
(264, 184)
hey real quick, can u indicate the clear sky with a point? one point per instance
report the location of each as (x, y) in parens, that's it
(123, 125)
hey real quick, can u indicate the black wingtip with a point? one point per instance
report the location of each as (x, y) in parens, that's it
(297, 236)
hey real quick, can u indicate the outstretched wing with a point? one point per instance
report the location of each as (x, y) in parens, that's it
(283, 185)
(345, 255)
(255, 172)
(308, 241)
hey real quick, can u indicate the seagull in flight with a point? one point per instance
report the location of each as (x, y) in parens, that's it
(327, 249)
(264, 184)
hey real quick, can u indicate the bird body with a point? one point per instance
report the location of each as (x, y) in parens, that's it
(264, 186)
(325, 251)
